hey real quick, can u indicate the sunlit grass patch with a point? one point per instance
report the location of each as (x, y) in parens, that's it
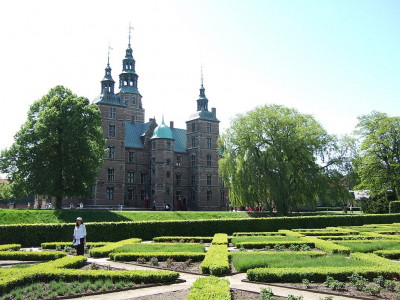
(370, 245)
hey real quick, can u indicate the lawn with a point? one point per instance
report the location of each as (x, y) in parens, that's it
(370, 245)
(161, 247)
(248, 260)
(24, 216)
(240, 239)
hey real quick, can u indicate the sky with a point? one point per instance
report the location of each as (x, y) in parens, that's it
(335, 60)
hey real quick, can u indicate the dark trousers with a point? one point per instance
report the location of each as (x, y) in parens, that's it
(80, 249)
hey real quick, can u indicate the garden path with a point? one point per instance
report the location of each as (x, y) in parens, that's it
(235, 282)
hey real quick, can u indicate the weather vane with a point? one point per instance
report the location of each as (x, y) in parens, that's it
(109, 48)
(201, 74)
(130, 27)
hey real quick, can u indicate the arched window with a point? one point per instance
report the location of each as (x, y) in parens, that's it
(193, 179)
(208, 160)
(110, 174)
(193, 160)
(209, 179)
(193, 142)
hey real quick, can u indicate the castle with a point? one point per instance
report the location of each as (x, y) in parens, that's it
(147, 164)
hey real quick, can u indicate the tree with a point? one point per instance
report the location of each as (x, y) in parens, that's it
(59, 149)
(378, 161)
(5, 191)
(275, 154)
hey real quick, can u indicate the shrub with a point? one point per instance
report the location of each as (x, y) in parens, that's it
(161, 256)
(183, 239)
(220, 239)
(107, 249)
(266, 294)
(27, 255)
(210, 288)
(394, 207)
(55, 245)
(10, 247)
(258, 234)
(261, 245)
(216, 261)
(328, 246)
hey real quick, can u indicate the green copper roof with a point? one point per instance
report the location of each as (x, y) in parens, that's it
(162, 132)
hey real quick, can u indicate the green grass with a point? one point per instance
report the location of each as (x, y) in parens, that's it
(240, 239)
(249, 260)
(370, 245)
(24, 216)
(161, 247)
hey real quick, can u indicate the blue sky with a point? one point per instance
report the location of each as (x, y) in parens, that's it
(335, 60)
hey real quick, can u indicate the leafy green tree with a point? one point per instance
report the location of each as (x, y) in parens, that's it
(378, 162)
(5, 191)
(275, 154)
(59, 149)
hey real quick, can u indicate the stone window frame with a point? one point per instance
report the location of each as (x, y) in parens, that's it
(209, 195)
(112, 113)
(209, 143)
(192, 195)
(112, 130)
(143, 177)
(178, 160)
(193, 141)
(192, 160)
(111, 151)
(193, 179)
(209, 179)
(131, 176)
(208, 127)
(110, 174)
(209, 160)
(131, 193)
(193, 126)
(131, 156)
(143, 194)
(178, 179)
(110, 193)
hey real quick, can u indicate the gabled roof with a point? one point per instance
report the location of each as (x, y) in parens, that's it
(180, 140)
(133, 132)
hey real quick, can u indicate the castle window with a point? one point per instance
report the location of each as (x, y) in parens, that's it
(112, 113)
(167, 192)
(178, 179)
(131, 176)
(193, 142)
(193, 127)
(168, 145)
(208, 127)
(111, 130)
(110, 174)
(208, 179)
(168, 174)
(143, 178)
(209, 195)
(193, 179)
(193, 160)
(133, 101)
(208, 160)
(111, 152)
(222, 197)
(208, 142)
(110, 193)
(168, 161)
(131, 156)
(143, 195)
(192, 195)
(178, 160)
(154, 145)
(130, 194)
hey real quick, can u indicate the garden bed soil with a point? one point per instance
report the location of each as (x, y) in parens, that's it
(350, 291)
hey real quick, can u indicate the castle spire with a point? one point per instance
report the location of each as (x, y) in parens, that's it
(107, 84)
(202, 102)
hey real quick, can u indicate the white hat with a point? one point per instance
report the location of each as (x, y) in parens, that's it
(79, 219)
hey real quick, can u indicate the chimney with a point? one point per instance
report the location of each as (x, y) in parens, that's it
(171, 124)
(214, 112)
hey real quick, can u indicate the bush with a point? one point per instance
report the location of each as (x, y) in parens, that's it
(34, 234)
(107, 249)
(54, 245)
(10, 247)
(210, 288)
(258, 234)
(390, 254)
(394, 207)
(261, 245)
(329, 246)
(220, 239)
(162, 256)
(183, 239)
(216, 261)
(34, 256)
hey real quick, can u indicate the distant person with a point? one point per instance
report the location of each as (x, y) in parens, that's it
(154, 205)
(79, 236)
(167, 207)
(351, 208)
(81, 205)
(29, 205)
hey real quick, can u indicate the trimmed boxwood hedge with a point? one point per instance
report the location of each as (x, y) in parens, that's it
(210, 288)
(328, 246)
(33, 256)
(258, 234)
(261, 245)
(107, 249)
(220, 239)
(54, 245)
(161, 256)
(216, 261)
(35, 234)
(183, 239)
(10, 247)
(390, 254)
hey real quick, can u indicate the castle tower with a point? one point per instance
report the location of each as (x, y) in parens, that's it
(128, 87)
(201, 136)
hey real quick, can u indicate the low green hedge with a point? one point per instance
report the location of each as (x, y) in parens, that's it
(107, 249)
(10, 247)
(35, 234)
(328, 246)
(390, 254)
(291, 233)
(54, 245)
(210, 288)
(346, 237)
(220, 239)
(258, 234)
(216, 261)
(271, 244)
(33, 256)
(183, 239)
(161, 256)
(327, 231)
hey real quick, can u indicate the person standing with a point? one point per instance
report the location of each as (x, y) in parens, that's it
(80, 236)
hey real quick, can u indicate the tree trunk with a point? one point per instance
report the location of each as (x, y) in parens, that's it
(58, 202)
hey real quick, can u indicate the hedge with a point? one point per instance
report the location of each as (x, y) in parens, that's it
(216, 261)
(394, 207)
(33, 256)
(10, 247)
(161, 256)
(35, 234)
(347, 237)
(291, 233)
(210, 288)
(257, 234)
(328, 246)
(54, 245)
(183, 239)
(220, 239)
(261, 245)
(390, 254)
(107, 249)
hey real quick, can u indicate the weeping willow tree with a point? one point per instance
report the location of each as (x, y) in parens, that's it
(277, 156)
